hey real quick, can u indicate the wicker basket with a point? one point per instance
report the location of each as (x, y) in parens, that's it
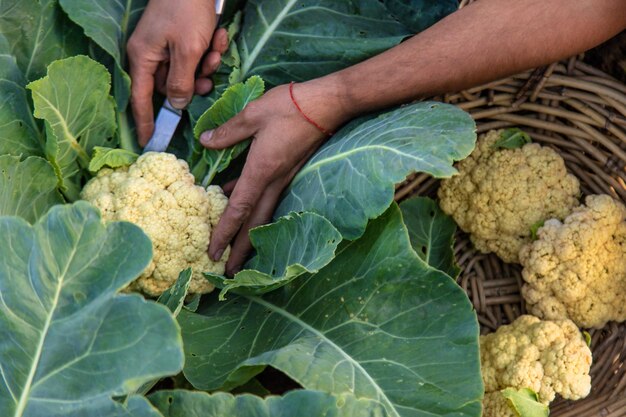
(581, 113)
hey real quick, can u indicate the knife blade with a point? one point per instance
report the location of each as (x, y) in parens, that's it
(168, 118)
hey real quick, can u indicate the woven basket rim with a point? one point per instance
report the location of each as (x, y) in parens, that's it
(580, 112)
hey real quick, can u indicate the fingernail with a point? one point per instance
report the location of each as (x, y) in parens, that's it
(218, 255)
(205, 138)
(179, 103)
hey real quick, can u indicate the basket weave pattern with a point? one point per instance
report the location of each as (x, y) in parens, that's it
(580, 112)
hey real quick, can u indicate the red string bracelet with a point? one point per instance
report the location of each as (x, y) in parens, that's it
(307, 118)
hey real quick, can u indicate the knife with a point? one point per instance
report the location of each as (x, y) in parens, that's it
(168, 118)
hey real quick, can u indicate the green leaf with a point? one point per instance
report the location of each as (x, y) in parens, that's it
(134, 406)
(68, 341)
(74, 101)
(27, 188)
(174, 297)
(432, 233)
(19, 134)
(297, 40)
(286, 249)
(512, 138)
(109, 24)
(525, 402)
(351, 178)
(112, 158)
(299, 403)
(534, 228)
(37, 33)
(231, 58)
(587, 337)
(377, 322)
(418, 15)
(233, 101)
(193, 303)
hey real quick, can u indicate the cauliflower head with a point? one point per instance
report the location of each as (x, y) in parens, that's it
(576, 269)
(158, 194)
(549, 357)
(499, 194)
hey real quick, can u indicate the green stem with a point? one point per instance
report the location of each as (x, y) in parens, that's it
(125, 135)
(213, 170)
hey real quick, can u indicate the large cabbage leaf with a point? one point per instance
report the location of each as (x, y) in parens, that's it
(19, 134)
(285, 250)
(351, 178)
(418, 15)
(28, 188)
(68, 341)
(377, 322)
(109, 24)
(74, 101)
(299, 403)
(36, 32)
(285, 40)
(431, 232)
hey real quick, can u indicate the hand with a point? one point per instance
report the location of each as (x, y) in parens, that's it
(164, 52)
(282, 141)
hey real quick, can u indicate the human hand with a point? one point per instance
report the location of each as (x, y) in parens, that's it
(282, 141)
(164, 51)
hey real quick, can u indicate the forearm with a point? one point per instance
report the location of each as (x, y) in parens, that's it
(487, 40)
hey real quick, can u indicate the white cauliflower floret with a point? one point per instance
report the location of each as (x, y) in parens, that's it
(576, 269)
(158, 194)
(549, 357)
(496, 405)
(499, 194)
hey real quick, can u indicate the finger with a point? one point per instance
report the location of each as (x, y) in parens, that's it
(219, 43)
(210, 63)
(203, 86)
(262, 214)
(235, 130)
(253, 181)
(160, 77)
(142, 87)
(181, 77)
(229, 187)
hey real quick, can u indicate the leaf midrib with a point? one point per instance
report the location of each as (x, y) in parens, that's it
(272, 307)
(342, 155)
(69, 137)
(36, 46)
(21, 405)
(265, 37)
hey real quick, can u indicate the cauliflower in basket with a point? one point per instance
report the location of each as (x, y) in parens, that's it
(158, 194)
(549, 357)
(500, 194)
(576, 269)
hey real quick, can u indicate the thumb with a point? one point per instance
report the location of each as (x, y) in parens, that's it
(230, 133)
(181, 77)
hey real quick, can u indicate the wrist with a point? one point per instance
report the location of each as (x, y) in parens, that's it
(324, 100)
